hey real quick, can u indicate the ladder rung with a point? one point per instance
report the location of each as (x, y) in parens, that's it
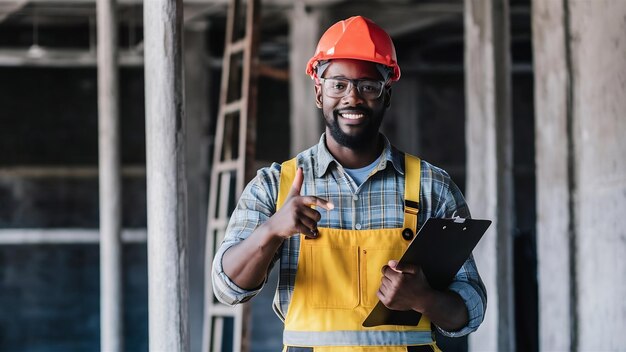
(232, 107)
(229, 165)
(216, 224)
(221, 310)
(237, 46)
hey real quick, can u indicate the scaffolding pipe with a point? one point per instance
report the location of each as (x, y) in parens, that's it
(111, 325)
(165, 141)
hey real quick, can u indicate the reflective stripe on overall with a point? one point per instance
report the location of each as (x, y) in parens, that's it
(339, 273)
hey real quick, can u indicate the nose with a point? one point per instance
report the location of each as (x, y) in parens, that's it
(352, 94)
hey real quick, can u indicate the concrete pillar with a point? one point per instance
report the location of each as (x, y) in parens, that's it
(111, 322)
(598, 61)
(197, 155)
(554, 187)
(489, 163)
(580, 96)
(306, 120)
(166, 179)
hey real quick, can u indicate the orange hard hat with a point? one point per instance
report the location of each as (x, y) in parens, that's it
(356, 38)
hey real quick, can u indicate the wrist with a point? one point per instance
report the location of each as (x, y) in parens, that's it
(269, 234)
(427, 300)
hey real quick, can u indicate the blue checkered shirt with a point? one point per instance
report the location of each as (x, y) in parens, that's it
(377, 203)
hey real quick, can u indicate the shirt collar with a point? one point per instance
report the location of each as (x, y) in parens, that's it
(390, 154)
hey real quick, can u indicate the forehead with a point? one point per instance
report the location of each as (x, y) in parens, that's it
(352, 69)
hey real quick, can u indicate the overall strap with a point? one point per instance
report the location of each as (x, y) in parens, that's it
(412, 182)
(287, 173)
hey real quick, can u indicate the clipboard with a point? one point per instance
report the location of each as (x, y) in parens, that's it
(440, 247)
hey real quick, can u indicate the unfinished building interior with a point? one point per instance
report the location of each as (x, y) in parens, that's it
(520, 101)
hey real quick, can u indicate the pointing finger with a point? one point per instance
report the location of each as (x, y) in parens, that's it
(319, 202)
(296, 186)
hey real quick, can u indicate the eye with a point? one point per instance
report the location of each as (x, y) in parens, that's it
(338, 85)
(369, 86)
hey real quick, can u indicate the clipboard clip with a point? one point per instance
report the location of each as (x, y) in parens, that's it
(458, 219)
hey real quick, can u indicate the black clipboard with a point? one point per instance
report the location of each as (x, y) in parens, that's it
(440, 247)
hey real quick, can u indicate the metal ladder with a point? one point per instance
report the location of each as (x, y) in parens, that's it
(233, 165)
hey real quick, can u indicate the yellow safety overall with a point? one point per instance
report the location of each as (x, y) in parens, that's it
(338, 275)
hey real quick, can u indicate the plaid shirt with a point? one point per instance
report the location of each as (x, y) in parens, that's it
(377, 203)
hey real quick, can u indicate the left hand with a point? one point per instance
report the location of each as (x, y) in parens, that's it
(404, 287)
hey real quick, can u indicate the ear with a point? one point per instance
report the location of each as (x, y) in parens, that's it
(318, 96)
(387, 97)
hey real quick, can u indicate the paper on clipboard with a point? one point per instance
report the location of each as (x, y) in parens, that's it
(440, 248)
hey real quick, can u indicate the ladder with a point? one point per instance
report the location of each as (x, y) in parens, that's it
(233, 165)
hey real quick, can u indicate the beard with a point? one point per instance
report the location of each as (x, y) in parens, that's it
(366, 137)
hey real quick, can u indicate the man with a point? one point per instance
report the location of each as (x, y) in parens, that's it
(337, 214)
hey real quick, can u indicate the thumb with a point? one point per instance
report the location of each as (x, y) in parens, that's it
(297, 184)
(402, 268)
(393, 264)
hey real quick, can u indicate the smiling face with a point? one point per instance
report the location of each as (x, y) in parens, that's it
(352, 121)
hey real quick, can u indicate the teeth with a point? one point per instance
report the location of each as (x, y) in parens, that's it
(352, 116)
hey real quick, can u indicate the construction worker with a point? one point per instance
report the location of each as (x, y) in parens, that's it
(337, 215)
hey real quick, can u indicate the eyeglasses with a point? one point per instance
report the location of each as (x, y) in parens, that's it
(340, 87)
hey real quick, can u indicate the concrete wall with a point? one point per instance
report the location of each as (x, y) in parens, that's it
(48, 180)
(580, 72)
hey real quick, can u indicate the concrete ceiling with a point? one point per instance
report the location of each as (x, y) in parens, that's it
(399, 17)
(64, 12)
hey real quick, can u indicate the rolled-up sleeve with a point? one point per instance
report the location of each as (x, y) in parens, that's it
(469, 286)
(255, 206)
(224, 289)
(467, 282)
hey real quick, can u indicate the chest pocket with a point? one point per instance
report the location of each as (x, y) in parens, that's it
(336, 269)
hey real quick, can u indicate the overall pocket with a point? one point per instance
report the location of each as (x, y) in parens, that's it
(332, 276)
(372, 261)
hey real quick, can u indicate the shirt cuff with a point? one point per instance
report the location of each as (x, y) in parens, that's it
(475, 309)
(224, 288)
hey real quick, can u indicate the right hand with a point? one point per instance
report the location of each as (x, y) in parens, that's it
(296, 215)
